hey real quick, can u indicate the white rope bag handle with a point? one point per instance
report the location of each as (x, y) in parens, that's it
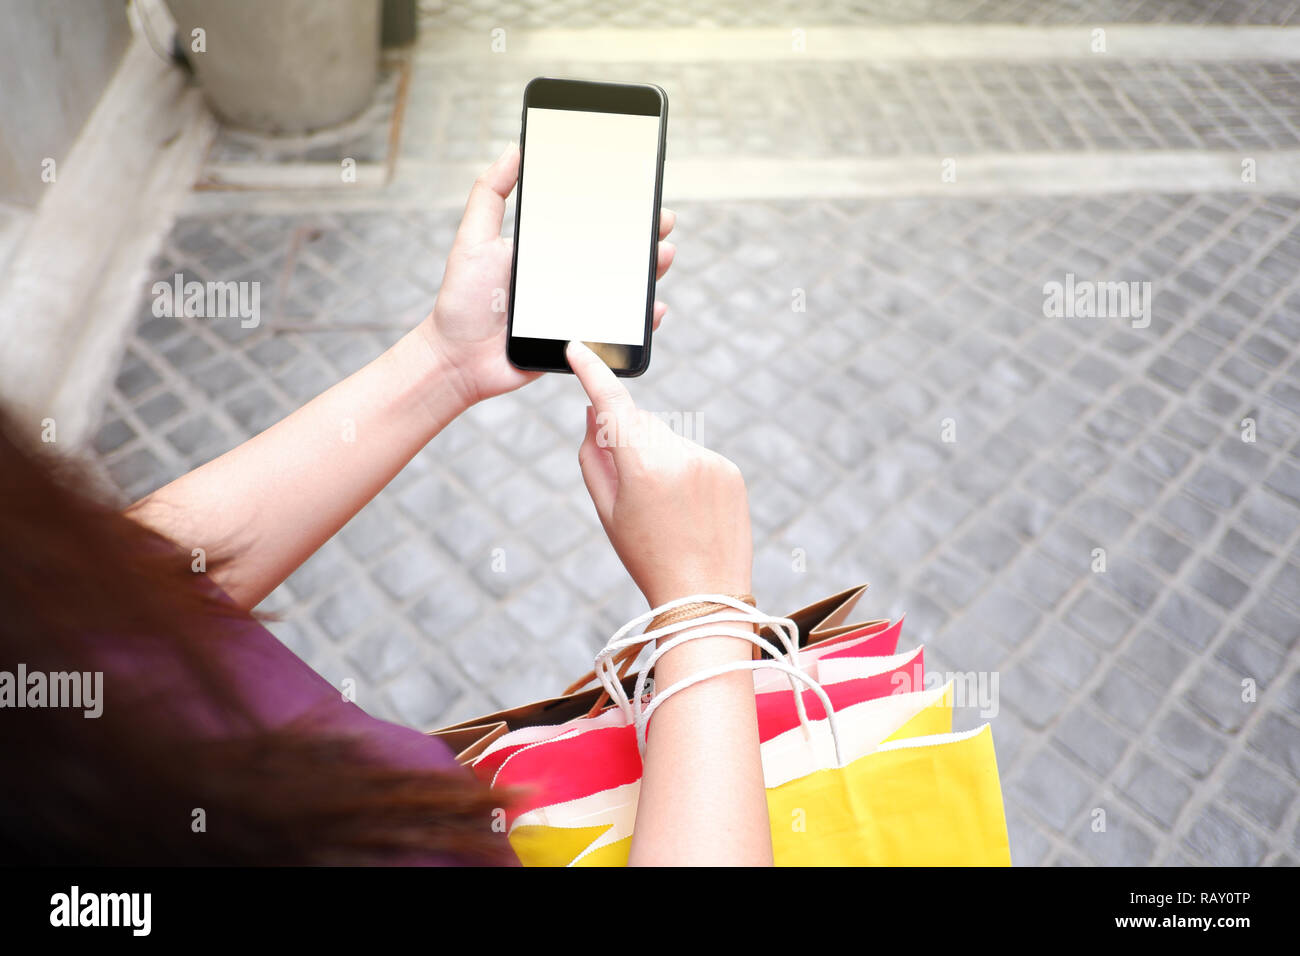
(643, 717)
(785, 629)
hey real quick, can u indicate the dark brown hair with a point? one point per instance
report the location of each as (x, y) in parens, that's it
(77, 578)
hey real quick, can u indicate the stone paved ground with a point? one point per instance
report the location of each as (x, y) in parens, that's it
(1120, 690)
(854, 108)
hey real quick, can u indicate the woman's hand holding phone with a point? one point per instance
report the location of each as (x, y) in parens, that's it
(467, 328)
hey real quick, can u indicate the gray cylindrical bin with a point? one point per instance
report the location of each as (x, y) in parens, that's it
(283, 66)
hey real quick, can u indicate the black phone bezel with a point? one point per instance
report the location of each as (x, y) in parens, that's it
(640, 99)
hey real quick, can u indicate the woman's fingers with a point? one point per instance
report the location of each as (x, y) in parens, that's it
(599, 472)
(667, 219)
(667, 252)
(609, 398)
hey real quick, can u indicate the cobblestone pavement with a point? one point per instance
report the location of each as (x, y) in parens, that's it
(838, 108)
(1121, 689)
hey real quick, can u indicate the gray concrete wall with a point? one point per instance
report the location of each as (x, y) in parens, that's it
(56, 57)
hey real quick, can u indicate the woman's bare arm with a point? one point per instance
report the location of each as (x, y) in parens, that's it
(702, 801)
(678, 516)
(265, 506)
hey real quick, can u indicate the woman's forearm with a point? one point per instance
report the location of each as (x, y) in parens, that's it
(702, 800)
(265, 506)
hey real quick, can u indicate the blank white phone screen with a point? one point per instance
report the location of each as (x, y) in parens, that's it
(585, 218)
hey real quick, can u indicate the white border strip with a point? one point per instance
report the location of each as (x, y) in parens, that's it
(884, 44)
(446, 185)
(289, 176)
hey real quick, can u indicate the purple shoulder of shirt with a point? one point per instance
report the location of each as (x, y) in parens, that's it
(278, 688)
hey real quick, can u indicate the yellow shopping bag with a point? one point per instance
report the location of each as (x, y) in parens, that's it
(921, 801)
(919, 795)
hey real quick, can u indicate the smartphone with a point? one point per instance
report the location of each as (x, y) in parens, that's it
(586, 223)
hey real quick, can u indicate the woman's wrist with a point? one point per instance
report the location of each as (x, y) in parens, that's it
(661, 593)
(445, 389)
(706, 648)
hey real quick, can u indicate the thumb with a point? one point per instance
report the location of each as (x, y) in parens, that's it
(599, 471)
(487, 200)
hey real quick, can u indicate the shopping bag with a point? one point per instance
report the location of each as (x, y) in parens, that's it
(853, 680)
(921, 801)
(599, 754)
(912, 798)
(582, 771)
(823, 623)
(541, 836)
(932, 799)
(878, 639)
(483, 747)
(927, 801)
(593, 754)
